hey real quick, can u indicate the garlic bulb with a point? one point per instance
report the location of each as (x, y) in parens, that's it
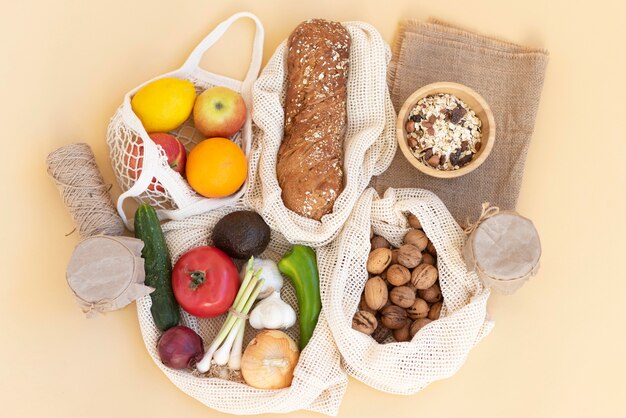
(273, 280)
(269, 360)
(272, 313)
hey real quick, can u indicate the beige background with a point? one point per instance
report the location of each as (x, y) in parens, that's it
(559, 346)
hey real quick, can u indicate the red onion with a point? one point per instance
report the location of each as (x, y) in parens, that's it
(180, 347)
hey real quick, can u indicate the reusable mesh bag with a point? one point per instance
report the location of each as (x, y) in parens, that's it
(440, 348)
(319, 382)
(157, 184)
(369, 142)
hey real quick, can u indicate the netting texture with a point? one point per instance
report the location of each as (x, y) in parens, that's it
(135, 157)
(438, 350)
(319, 381)
(369, 143)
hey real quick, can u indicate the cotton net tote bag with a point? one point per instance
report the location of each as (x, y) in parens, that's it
(439, 349)
(148, 178)
(369, 141)
(319, 382)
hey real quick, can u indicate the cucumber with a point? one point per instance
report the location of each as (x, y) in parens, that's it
(158, 267)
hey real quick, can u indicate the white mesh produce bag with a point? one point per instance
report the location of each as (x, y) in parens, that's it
(439, 349)
(369, 142)
(157, 184)
(319, 382)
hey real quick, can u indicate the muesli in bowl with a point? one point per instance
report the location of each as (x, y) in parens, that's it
(445, 130)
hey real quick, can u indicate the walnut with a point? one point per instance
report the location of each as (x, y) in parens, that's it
(435, 311)
(419, 324)
(419, 309)
(394, 256)
(404, 333)
(414, 222)
(381, 333)
(409, 256)
(428, 259)
(379, 242)
(393, 317)
(424, 276)
(364, 307)
(432, 294)
(378, 260)
(398, 275)
(364, 322)
(416, 237)
(376, 294)
(431, 249)
(402, 296)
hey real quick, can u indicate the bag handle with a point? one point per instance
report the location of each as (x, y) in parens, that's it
(193, 62)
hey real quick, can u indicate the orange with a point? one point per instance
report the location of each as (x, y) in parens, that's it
(216, 167)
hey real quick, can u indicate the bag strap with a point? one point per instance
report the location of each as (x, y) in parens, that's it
(193, 62)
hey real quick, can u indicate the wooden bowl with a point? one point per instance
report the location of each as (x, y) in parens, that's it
(474, 101)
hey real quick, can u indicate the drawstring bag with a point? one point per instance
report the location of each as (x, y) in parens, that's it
(319, 382)
(369, 141)
(157, 184)
(439, 349)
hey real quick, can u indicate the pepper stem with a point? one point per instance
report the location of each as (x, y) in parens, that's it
(197, 278)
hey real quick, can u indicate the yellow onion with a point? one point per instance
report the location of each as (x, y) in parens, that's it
(269, 360)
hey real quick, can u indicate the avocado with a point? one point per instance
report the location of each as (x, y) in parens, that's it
(241, 234)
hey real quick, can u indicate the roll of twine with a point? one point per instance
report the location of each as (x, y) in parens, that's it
(75, 173)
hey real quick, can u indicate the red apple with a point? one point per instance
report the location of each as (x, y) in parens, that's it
(174, 150)
(219, 112)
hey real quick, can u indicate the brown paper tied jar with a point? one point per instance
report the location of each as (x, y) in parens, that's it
(503, 249)
(106, 273)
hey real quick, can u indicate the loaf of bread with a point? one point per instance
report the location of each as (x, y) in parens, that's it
(310, 158)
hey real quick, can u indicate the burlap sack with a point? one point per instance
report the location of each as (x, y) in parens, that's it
(439, 349)
(508, 76)
(319, 382)
(369, 142)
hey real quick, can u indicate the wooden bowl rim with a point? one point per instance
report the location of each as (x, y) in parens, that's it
(446, 87)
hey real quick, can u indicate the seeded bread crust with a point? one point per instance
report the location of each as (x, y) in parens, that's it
(310, 158)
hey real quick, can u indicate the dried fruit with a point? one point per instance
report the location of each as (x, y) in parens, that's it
(419, 309)
(443, 125)
(455, 157)
(402, 296)
(416, 237)
(431, 295)
(457, 114)
(424, 276)
(378, 260)
(398, 275)
(435, 311)
(393, 317)
(409, 256)
(418, 324)
(364, 322)
(376, 293)
(465, 159)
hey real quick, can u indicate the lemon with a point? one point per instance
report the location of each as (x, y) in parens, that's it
(164, 104)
